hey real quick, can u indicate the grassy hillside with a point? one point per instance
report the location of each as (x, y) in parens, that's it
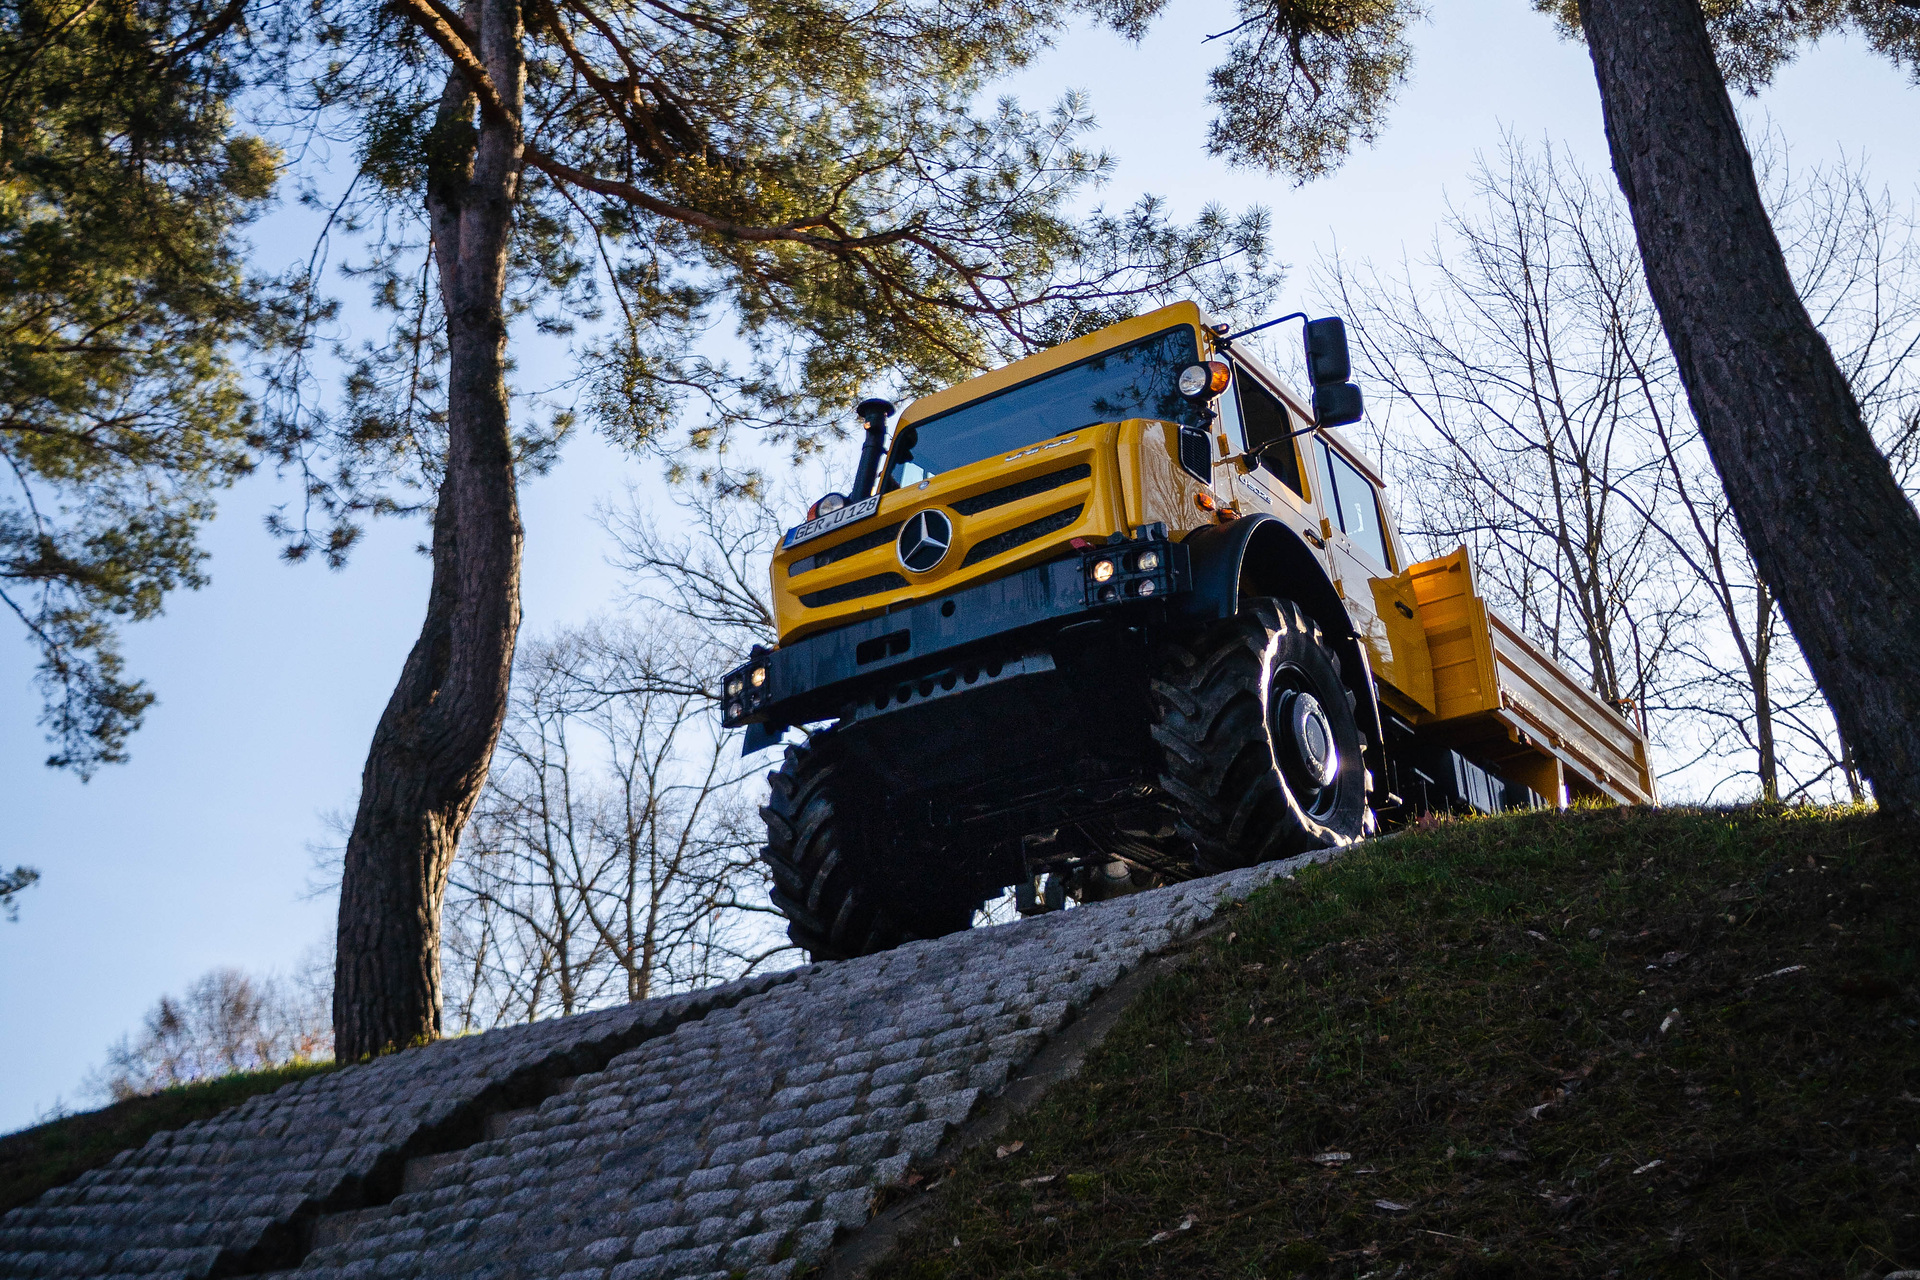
(51, 1154)
(1608, 1043)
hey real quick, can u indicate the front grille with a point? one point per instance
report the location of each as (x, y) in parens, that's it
(1025, 489)
(853, 590)
(1021, 534)
(841, 550)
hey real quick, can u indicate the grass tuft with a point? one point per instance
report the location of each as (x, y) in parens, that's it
(1632, 1043)
(36, 1160)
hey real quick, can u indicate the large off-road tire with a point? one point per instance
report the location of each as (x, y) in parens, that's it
(849, 883)
(1256, 772)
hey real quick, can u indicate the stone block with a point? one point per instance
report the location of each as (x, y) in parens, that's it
(892, 1170)
(659, 1241)
(761, 1194)
(905, 1071)
(764, 1168)
(695, 1261)
(954, 1107)
(811, 1242)
(849, 1208)
(753, 1250)
(712, 1178)
(787, 1214)
(839, 1178)
(813, 1159)
(650, 1268)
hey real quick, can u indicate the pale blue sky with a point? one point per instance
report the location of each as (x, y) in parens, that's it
(270, 680)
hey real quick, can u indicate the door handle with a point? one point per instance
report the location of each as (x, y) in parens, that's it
(1401, 605)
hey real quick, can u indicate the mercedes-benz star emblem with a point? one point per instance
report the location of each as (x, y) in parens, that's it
(924, 540)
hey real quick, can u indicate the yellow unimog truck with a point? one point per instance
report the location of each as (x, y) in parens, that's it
(1123, 612)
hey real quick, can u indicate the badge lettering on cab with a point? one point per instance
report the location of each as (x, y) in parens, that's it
(852, 513)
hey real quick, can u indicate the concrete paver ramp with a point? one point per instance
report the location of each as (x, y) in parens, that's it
(733, 1131)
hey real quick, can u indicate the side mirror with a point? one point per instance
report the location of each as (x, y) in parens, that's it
(1337, 405)
(1327, 361)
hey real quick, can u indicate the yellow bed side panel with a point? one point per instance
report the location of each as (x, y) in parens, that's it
(1458, 644)
(1405, 660)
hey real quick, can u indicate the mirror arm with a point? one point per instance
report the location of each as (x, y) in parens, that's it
(1255, 452)
(1227, 339)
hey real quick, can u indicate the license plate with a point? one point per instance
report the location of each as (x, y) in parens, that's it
(852, 513)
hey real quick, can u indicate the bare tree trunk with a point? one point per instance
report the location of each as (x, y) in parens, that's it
(1763, 694)
(1829, 528)
(430, 750)
(1851, 772)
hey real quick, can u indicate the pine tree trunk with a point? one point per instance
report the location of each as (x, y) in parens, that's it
(1829, 529)
(431, 748)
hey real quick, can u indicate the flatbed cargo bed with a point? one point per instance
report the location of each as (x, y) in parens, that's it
(1499, 695)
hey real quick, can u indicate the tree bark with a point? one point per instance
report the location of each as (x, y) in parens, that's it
(1828, 527)
(431, 748)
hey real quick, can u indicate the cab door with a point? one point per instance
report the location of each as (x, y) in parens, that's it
(1380, 601)
(1252, 416)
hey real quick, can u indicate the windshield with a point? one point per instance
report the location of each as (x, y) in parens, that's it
(1134, 381)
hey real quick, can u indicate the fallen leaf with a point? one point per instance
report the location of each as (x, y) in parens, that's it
(1593, 935)
(1391, 1206)
(1541, 936)
(1331, 1157)
(1010, 1149)
(1034, 1182)
(1186, 1224)
(1232, 936)
(1251, 968)
(1651, 1164)
(1781, 973)
(1672, 1019)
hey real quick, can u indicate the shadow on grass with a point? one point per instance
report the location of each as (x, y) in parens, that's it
(49, 1155)
(1614, 1042)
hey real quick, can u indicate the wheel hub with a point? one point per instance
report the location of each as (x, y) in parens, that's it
(1309, 737)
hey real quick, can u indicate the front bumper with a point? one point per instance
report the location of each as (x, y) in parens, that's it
(818, 677)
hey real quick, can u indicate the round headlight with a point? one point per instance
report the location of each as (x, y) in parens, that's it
(735, 686)
(1144, 587)
(832, 502)
(758, 676)
(1147, 561)
(1198, 381)
(1103, 571)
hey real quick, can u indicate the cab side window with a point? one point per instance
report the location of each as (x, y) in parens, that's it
(1353, 504)
(1265, 419)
